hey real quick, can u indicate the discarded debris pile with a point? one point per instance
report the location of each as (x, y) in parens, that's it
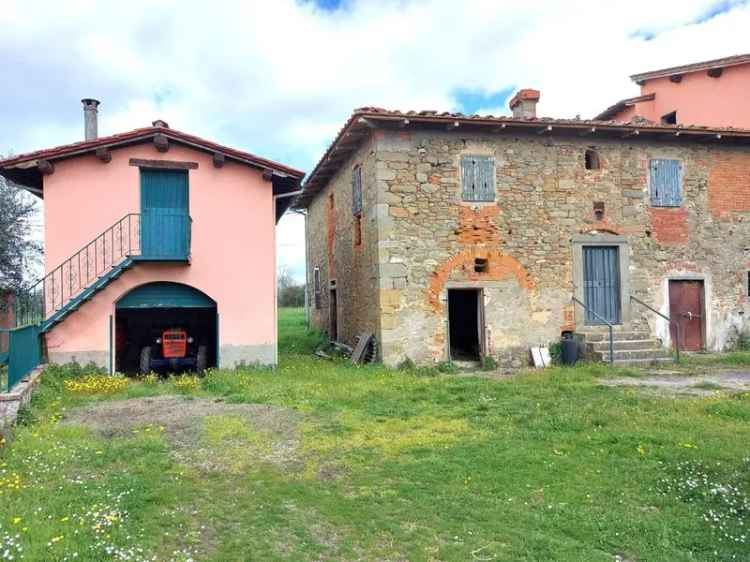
(365, 349)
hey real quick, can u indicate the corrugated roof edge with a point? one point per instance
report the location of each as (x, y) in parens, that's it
(369, 117)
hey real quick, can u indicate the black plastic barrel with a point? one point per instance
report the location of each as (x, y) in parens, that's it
(569, 351)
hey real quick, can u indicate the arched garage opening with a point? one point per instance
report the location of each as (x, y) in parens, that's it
(165, 327)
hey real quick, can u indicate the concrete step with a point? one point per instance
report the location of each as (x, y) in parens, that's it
(620, 335)
(630, 354)
(621, 345)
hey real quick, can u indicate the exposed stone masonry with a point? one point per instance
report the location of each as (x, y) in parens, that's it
(420, 239)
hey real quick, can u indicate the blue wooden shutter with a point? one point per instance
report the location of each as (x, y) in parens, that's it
(665, 182)
(357, 190)
(478, 178)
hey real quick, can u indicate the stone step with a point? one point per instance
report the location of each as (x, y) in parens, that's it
(630, 354)
(620, 345)
(642, 363)
(624, 335)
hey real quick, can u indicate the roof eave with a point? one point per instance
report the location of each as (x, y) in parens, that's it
(688, 68)
(367, 121)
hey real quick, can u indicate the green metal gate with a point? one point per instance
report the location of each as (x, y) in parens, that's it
(24, 353)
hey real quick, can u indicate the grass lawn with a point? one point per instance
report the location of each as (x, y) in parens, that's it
(318, 460)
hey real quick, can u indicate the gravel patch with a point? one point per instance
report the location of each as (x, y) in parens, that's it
(700, 385)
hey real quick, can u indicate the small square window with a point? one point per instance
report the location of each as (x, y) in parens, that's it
(669, 119)
(591, 159)
(481, 265)
(358, 230)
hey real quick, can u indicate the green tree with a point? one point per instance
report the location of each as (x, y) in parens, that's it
(18, 248)
(290, 293)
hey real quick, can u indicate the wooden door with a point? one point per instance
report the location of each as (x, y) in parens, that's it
(480, 323)
(164, 214)
(601, 284)
(686, 309)
(333, 310)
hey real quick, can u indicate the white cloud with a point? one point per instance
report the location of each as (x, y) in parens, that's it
(279, 78)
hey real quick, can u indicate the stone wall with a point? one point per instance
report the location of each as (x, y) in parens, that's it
(429, 238)
(332, 247)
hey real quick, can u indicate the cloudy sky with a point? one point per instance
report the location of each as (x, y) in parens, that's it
(280, 77)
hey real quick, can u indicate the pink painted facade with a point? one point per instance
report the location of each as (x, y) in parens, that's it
(234, 206)
(233, 245)
(696, 96)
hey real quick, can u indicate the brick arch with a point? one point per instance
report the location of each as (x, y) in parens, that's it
(499, 268)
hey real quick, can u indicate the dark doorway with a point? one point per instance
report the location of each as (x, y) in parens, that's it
(686, 308)
(334, 320)
(466, 324)
(139, 328)
(601, 284)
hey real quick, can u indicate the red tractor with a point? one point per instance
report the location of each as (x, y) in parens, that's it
(175, 351)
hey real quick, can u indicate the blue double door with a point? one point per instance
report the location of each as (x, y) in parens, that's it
(601, 284)
(165, 217)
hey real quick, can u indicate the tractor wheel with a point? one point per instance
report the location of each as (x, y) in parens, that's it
(201, 361)
(145, 360)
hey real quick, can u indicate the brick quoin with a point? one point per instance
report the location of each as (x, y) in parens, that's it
(729, 184)
(670, 226)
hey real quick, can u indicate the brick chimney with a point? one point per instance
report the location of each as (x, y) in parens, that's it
(90, 118)
(524, 103)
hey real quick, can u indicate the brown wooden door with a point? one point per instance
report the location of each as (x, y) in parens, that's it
(686, 309)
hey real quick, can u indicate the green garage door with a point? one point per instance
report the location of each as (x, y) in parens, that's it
(164, 294)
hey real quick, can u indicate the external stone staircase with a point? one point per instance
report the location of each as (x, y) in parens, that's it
(631, 348)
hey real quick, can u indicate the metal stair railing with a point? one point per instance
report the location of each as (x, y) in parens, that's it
(609, 325)
(50, 294)
(678, 336)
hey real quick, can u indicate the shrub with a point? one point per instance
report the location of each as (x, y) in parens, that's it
(150, 379)
(186, 383)
(489, 363)
(555, 352)
(406, 365)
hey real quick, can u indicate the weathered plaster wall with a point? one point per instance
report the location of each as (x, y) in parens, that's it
(332, 248)
(545, 196)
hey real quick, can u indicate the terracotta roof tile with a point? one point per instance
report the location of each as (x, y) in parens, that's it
(137, 135)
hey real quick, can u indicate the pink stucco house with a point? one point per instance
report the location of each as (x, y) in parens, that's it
(152, 230)
(711, 93)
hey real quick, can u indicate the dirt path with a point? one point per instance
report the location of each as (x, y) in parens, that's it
(675, 383)
(203, 431)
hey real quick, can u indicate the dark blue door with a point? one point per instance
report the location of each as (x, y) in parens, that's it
(601, 283)
(165, 219)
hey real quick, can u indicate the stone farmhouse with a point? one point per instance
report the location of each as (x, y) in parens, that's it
(458, 237)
